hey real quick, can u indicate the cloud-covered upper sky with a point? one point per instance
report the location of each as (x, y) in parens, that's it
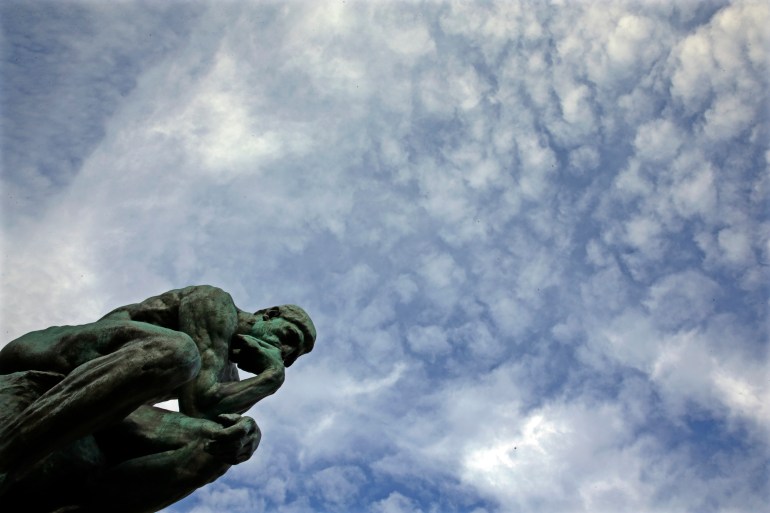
(534, 237)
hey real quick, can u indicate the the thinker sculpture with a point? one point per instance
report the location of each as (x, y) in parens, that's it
(78, 432)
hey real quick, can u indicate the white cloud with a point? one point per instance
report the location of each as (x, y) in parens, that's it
(224, 498)
(657, 141)
(728, 118)
(396, 503)
(216, 124)
(405, 287)
(560, 457)
(691, 365)
(630, 38)
(694, 192)
(584, 158)
(430, 341)
(735, 245)
(411, 36)
(721, 57)
(443, 279)
(691, 80)
(744, 397)
(512, 317)
(537, 163)
(339, 485)
(583, 456)
(43, 288)
(686, 297)
(644, 234)
(478, 339)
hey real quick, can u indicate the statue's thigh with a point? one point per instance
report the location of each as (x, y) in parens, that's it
(108, 337)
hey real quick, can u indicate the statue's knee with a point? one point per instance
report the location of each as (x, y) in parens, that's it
(186, 356)
(186, 353)
(175, 355)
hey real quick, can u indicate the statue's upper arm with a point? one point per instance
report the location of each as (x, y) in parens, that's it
(208, 312)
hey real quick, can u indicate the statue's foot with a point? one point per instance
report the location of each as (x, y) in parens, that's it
(236, 441)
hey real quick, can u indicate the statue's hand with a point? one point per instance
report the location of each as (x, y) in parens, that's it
(236, 441)
(254, 355)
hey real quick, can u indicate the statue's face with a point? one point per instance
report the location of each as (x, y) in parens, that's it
(282, 334)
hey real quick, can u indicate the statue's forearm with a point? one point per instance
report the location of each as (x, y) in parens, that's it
(239, 396)
(164, 427)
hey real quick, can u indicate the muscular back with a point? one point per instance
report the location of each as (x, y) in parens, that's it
(198, 311)
(162, 310)
(172, 308)
(209, 316)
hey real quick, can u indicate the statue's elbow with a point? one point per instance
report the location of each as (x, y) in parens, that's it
(276, 377)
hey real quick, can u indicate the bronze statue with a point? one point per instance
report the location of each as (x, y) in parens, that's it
(78, 431)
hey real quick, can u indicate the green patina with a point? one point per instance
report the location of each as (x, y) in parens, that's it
(76, 414)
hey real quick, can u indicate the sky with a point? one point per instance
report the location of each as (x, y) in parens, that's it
(534, 237)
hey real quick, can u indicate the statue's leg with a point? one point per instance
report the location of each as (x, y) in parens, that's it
(142, 362)
(164, 456)
(62, 473)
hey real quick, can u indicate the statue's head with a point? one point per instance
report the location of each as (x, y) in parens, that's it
(288, 327)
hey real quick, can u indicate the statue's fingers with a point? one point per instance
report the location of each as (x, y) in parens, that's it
(245, 426)
(228, 419)
(266, 345)
(235, 444)
(247, 338)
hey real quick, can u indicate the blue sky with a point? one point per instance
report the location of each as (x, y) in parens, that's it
(534, 237)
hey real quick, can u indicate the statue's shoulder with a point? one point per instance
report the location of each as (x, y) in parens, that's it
(201, 290)
(176, 295)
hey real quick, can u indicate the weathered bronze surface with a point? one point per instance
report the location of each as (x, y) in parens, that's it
(78, 432)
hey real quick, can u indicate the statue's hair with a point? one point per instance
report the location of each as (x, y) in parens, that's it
(296, 316)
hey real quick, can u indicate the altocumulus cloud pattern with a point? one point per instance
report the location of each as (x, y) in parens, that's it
(534, 236)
